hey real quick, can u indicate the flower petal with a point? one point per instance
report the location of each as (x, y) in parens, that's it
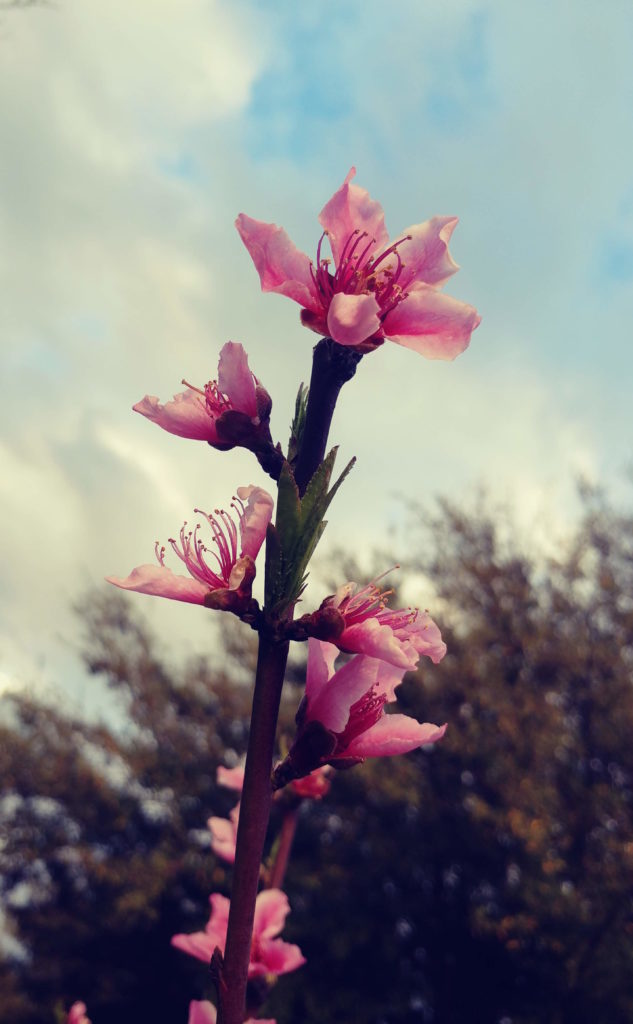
(350, 209)
(159, 581)
(349, 684)
(378, 641)
(232, 778)
(394, 734)
(425, 636)
(321, 658)
(271, 911)
(198, 944)
(186, 415)
(351, 319)
(281, 266)
(235, 379)
(274, 956)
(254, 522)
(432, 323)
(202, 1012)
(224, 835)
(425, 254)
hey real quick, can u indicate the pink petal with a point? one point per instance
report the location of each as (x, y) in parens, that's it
(254, 523)
(232, 778)
(199, 945)
(159, 581)
(271, 911)
(202, 1012)
(394, 734)
(77, 1014)
(346, 686)
(224, 835)
(281, 266)
(313, 786)
(388, 679)
(351, 208)
(351, 319)
(235, 380)
(321, 658)
(425, 254)
(276, 957)
(378, 641)
(218, 922)
(425, 637)
(186, 415)
(432, 323)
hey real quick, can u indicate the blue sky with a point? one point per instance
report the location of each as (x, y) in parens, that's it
(133, 134)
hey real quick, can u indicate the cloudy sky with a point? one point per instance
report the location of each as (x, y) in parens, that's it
(133, 133)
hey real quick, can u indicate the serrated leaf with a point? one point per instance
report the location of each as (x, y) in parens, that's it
(299, 526)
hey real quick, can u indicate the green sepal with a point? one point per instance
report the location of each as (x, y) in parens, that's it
(299, 525)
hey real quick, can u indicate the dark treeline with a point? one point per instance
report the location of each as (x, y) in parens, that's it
(486, 881)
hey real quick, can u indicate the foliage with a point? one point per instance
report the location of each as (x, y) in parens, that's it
(487, 880)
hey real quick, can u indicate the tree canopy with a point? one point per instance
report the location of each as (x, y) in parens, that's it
(487, 880)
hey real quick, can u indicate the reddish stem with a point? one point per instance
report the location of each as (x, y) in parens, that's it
(253, 823)
(286, 837)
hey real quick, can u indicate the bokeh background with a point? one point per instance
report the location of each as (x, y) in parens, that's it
(132, 136)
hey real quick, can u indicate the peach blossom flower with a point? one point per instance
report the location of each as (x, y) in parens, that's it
(397, 635)
(77, 1014)
(236, 548)
(373, 288)
(224, 835)
(203, 1012)
(341, 720)
(202, 413)
(269, 955)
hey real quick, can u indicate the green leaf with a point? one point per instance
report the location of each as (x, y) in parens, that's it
(299, 526)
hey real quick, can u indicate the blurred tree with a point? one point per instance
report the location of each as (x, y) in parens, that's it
(488, 880)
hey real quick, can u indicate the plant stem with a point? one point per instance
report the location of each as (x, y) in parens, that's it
(332, 366)
(253, 823)
(286, 837)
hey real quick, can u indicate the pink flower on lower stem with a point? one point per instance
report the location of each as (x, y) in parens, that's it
(373, 288)
(397, 635)
(203, 1012)
(269, 954)
(234, 554)
(77, 1014)
(342, 721)
(202, 413)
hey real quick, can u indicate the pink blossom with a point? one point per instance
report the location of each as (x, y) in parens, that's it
(342, 721)
(236, 548)
(224, 835)
(203, 1012)
(269, 955)
(201, 413)
(232, 778)
(77, 1014)
(373, 288)
(313, 786)
(397, 635)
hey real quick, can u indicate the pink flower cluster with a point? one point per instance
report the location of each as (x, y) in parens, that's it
(342, 720)
(224, 830)
(269, 954)
(372, 289)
